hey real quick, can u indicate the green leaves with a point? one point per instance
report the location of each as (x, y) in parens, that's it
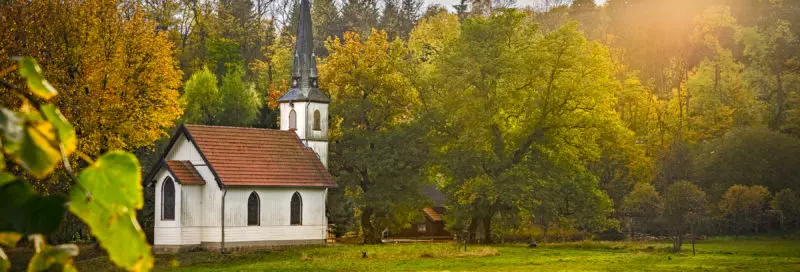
(106, 197)
(31, 141)
(33, 76)
(23, 211)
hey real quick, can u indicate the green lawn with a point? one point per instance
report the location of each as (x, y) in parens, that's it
(715, 255)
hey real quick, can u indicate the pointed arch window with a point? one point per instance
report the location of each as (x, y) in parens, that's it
(316, 120)
(168, 199)
(292, 120)
(296, 209)
(253, 209)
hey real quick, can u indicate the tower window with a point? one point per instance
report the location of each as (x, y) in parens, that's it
(168, 200)
(253, 209)
(296, 217)
(316, 120)
(292, 120)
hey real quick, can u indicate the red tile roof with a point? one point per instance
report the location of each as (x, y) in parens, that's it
(432, 214)
(259, 157)
(185, 172)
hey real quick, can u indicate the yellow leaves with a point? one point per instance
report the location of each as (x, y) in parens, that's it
(366, 81)
(119, 86)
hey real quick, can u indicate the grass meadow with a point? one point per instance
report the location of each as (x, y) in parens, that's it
(763, 254)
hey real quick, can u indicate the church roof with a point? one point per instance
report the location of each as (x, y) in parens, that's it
(184, 172)
(259, 157)
(239, 156)
(304, 68)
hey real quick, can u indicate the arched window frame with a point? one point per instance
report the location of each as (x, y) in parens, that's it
(253, 209)
(292, 119)
(317, 121)
(296, 210)
(167, 204)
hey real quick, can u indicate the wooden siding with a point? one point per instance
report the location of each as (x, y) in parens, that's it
(274, 206)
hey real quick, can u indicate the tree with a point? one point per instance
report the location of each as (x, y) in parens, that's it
(327, 23)
(360, 16)
(749, 156)
(684, 206)
(377, 147)
(505, 95)
(239, 102)
(644, 205)
(122, 68)
(771, 52)
(37, 138)
(787, 203)
(201, 98)
(744, 206)
(720, 99)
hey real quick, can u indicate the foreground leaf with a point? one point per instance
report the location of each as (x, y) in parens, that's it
(6, 177)
(9, 239)
(30, 141)
(64, 130)
(110, 195)
(4, 263)
(23, 211)
(33, 76)
(52, 258)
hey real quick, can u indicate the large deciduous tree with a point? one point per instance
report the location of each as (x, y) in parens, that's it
(513, 107)
(105, 64)
(377, 148)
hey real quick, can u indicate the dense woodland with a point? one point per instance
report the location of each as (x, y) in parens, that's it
(562, 120)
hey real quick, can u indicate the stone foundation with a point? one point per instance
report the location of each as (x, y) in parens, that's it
(237, 246)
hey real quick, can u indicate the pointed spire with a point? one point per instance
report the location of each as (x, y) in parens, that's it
(304, 68)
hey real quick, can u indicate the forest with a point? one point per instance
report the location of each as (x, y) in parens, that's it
(561, 120)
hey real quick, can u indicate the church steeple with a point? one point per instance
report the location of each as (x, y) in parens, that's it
(304, 85)
(304, 108)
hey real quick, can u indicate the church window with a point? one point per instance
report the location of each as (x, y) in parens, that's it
(168, 200)
(296, 209)
(292, 120)
(253, 209)
(316, 120)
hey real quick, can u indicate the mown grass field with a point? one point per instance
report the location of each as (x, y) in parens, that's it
(713, 255)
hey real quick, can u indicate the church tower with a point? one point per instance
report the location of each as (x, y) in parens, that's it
(304, 108)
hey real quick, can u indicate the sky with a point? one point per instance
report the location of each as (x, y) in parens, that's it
(520, 3)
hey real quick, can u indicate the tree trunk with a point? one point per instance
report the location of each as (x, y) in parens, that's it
(487, 229)
(473, 229)
(694, 237)
(371, 235)
(544, 228)
(630, 228)
(676, 246)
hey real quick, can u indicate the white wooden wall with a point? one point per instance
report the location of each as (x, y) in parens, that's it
(317, 140)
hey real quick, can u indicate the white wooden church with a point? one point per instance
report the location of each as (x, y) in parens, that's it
(229, 188)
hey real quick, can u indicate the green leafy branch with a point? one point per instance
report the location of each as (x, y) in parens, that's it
(105, 195)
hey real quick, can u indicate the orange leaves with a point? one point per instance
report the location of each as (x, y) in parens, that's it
(117, 76)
